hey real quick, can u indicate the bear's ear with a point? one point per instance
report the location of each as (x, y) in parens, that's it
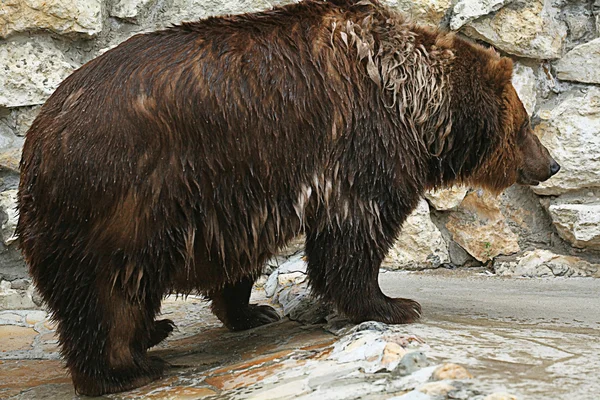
(500, 72)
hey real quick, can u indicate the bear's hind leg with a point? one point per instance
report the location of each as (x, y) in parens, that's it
(231, 305)
(160, 331)
(343, 267)
(105, 346)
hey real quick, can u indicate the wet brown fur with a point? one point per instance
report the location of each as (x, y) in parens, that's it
(182, 159)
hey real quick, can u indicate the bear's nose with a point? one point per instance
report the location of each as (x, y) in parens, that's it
(554, 168)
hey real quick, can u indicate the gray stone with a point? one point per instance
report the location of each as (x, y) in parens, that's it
(596, 12)
(306, 309)
(544, 263)
(458, 255)
(412, 381)
(11, 299)
(12, 265)
(270, 286)
(74, 17)
(24, 118)
(523, 28)
(468, 10)
(581, 64)
(579, 224)
(130, 10)
(11, 318)
(580, 21)
(20, 284)
(8, 216)
(30, 72)
(412, 362)
(295, 263)
(420, 244)
(570, 132)
(371, 326)
(37, 298)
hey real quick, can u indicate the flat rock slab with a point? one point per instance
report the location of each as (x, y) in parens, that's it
(480, 335)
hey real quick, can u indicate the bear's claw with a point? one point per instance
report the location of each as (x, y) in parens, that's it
(252, 316)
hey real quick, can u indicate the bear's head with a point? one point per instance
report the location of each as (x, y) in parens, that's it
(494, 145)
(518, 155)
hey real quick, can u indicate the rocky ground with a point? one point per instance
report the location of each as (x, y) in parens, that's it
(482, 337)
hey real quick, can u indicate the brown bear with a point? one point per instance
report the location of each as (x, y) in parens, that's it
(182, 159)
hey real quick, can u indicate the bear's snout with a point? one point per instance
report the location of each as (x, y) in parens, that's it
(537, 163)
(554, 167)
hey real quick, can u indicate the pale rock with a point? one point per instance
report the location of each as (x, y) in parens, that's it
(130, 10)
(523, 28)
(288, 390)
(373, 352)
(79, 17)
(423, 11)
(500, 396)
(466, 11)
(525, 83)
(270, 286)
(296, 263)
(578, 224)
(420, 244)
(365, 347)
(11, 318)
(10, 159)
(33, 317)
(392, 354)
(11, 299)
(290, 279)
(30, 72)
(480, 228)
(451, 371)
(582, 64)
(570, 132)
(8, 216)
(544, 263)
(446, 199)
(436, 388)
(413, 380)
(412, 395)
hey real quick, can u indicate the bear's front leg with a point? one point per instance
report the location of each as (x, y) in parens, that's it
(231, 305)
(344, 255)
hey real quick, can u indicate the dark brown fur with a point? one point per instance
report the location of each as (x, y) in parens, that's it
(181, 160)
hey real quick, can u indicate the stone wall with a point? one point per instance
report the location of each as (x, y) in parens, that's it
(555, 44)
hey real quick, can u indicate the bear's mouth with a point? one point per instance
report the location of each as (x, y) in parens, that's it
(523, 179)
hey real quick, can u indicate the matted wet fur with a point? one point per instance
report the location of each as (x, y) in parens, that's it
(181, 160)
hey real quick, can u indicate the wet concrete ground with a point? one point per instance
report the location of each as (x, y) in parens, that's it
(540, 338)
(530, 338)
